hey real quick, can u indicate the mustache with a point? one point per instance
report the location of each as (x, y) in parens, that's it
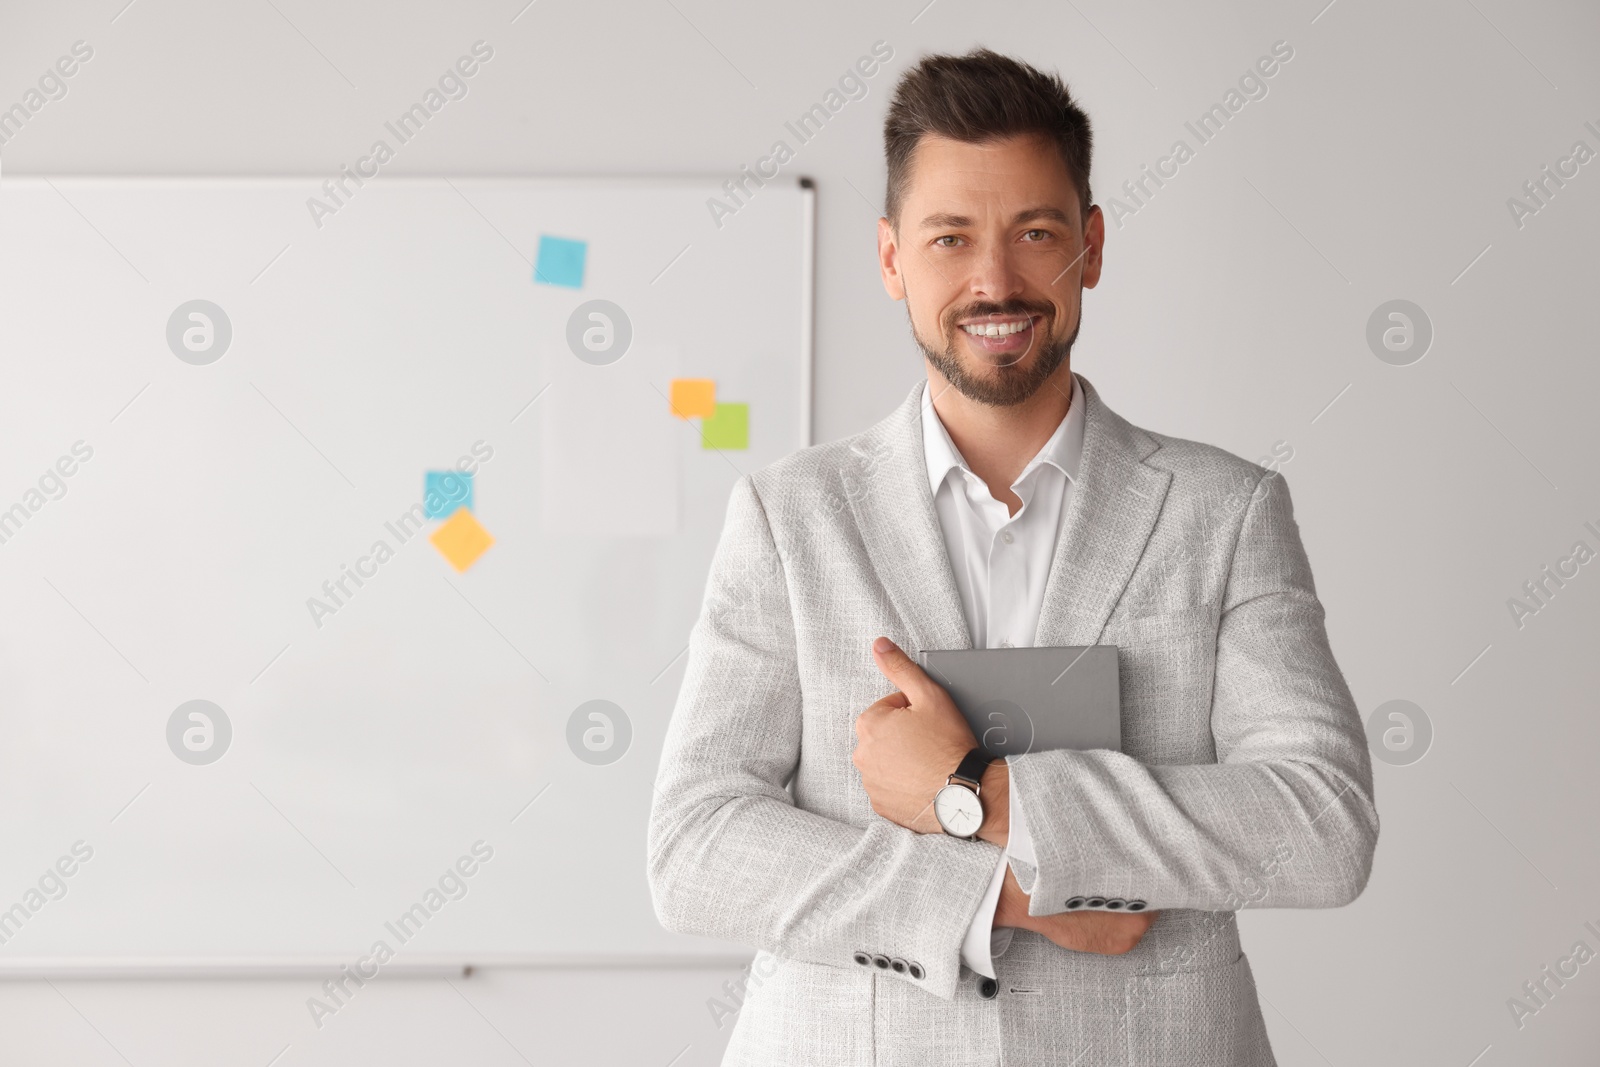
(1009, 309)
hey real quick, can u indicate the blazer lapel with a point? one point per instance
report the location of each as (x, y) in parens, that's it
(886, 484)
(1109, 519)
(1113, 511)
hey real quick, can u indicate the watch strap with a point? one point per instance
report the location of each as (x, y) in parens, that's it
(973, 764)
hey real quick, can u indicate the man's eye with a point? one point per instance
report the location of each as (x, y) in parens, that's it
(947, 241)
(1036, 235)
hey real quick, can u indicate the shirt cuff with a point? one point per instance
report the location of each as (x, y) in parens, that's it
(983, 942)
(1019, 843)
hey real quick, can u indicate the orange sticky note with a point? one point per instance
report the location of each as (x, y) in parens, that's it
(694, 398)
(461, 540)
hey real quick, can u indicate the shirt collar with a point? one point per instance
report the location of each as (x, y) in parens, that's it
(1063, 451)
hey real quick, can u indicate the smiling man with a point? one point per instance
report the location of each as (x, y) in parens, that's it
(1073, 907)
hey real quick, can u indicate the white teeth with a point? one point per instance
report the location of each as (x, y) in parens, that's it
(997, 329)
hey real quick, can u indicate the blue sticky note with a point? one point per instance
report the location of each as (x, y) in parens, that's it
(445, 491)
(560, 261)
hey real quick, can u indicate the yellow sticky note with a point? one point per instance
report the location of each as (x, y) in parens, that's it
(694, 398)
(461, 540)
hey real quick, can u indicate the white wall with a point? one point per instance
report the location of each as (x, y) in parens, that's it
(1379, 168)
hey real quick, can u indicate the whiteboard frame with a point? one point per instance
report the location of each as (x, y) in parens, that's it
(188, 968)
(176, 968)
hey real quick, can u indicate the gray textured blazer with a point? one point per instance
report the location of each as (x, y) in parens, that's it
(1244, 779)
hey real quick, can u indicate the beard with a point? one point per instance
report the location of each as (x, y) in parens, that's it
(1010, 384)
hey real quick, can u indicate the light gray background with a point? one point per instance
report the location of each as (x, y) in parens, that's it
(1233, 310)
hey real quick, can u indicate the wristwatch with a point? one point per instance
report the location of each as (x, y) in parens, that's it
(956, 805)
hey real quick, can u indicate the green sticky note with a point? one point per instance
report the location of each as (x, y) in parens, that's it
(728, 429)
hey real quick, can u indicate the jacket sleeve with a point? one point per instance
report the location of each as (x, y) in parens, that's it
(1284, 818)
(731, 856)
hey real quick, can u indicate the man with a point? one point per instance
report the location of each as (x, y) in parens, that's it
(1091, 919)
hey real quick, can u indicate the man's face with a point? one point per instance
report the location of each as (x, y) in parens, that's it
(991, 255)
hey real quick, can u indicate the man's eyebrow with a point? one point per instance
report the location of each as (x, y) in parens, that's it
(944, 219)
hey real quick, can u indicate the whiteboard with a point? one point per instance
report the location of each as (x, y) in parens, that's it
(178, 514)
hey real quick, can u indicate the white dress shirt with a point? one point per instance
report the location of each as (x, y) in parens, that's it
(1001, 562)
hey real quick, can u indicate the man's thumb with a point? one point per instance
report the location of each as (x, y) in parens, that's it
(900, 668)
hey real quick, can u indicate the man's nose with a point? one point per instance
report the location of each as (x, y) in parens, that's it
(995, 276)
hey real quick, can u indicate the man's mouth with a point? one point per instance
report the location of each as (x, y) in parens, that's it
(1001, 335)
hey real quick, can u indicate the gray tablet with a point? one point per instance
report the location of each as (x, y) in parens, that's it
(1026, 699)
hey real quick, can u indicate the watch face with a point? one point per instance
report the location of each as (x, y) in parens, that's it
(958, 810)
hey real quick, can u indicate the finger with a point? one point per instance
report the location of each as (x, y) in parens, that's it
(902, 670)
(891, 702)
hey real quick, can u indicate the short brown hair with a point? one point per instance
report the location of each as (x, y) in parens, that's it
(979, 97)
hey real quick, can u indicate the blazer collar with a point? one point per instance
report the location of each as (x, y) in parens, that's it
(1113, 508)
(1064, 449)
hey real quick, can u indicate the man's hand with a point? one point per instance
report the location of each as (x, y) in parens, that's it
(1107, 933)
(908, 743)
(906, 746)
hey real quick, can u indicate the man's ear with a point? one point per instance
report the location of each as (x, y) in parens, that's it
(1094, 238)
(889, 261)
